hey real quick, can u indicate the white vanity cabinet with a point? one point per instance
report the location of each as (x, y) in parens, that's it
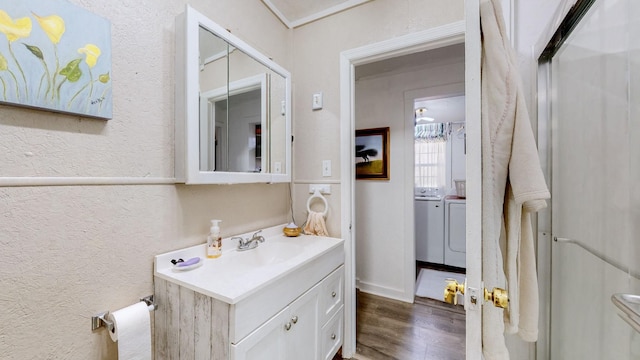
(291, 334)
(219, 311)
(190, 325)
(308, 328)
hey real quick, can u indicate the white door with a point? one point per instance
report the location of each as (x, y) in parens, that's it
(473, 289)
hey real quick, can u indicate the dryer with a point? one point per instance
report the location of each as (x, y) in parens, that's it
(455, 229)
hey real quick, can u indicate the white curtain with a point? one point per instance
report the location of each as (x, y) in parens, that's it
(430, 155)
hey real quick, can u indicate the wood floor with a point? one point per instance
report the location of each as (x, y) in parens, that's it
(426, 330)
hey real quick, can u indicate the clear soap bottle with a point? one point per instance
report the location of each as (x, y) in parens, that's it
(214, 240)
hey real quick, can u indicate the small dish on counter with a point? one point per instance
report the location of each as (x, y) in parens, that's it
(291, 230)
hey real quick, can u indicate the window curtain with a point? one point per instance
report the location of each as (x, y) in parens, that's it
(432, 132)
(430, 155)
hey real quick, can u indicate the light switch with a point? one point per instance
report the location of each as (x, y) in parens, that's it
(326, 168)
(277, 167)
(317, 101)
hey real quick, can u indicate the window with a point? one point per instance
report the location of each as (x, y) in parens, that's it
(430, 159)
(429, 164)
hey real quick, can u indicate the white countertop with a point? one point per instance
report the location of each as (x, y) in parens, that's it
(238, 274)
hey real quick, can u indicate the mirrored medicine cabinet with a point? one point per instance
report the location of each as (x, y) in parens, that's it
(233, 106)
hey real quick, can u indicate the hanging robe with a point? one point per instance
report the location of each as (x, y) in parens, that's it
(513, 189)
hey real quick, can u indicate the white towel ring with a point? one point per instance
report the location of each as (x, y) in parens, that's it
(318, 195)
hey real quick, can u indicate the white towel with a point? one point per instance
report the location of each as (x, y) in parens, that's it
(315, 225)
(513, 188)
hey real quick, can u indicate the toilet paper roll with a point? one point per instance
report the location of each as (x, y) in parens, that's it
(132, 331)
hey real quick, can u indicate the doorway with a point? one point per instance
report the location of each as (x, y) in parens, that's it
(385, 96)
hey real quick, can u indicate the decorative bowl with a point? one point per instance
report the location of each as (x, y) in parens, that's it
(289, 231)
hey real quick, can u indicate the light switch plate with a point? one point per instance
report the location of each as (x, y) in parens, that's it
(326, 168)
(316, 103)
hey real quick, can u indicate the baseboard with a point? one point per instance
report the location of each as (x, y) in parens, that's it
(384, 291)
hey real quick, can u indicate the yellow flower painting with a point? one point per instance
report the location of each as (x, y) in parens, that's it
(55, 56)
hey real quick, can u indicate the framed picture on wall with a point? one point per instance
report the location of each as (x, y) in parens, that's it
(55, 56)
(372, 154)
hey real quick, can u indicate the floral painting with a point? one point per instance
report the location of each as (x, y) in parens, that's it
(55, 56)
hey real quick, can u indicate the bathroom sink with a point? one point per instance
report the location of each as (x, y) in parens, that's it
(266, 254)
(237, 274)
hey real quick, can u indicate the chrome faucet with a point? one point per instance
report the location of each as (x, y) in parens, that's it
(248, 244)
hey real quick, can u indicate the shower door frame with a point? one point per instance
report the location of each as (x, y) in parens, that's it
(547, 48)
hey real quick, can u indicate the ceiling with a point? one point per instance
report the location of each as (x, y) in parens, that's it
(294, 13)
(447, 109)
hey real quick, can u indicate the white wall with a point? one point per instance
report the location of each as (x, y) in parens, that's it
(381, 206)
(68, 252)
(316, 68)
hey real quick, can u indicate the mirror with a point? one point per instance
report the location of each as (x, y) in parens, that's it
(232, 108)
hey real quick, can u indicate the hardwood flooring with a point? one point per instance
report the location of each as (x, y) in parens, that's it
(393, 330)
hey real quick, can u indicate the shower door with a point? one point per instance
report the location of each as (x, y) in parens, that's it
(595, 214)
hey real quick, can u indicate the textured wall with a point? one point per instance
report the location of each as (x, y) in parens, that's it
(69, 252)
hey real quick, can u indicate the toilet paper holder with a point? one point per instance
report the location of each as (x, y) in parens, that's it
(100, 319)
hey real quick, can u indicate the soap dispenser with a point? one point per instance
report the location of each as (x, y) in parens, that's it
(214, 240)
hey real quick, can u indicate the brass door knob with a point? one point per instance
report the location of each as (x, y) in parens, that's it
(451, 290)
(498, 297)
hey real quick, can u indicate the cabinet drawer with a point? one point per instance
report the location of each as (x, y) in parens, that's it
(331, 335)
(331, 294)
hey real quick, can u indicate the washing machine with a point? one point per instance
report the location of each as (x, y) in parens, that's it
(455, 231)
(429, 229)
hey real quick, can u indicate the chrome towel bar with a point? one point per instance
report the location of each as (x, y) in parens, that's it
(596, 253)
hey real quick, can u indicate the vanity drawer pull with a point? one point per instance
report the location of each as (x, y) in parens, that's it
(333, 336)
(287, 326)
(333, 294)
(294, 319)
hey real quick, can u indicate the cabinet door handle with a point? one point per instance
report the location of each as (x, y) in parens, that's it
(333, 294)
(333, 336)
(287, 326)
(294, 319)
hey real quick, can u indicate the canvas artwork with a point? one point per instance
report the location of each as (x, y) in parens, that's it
(372, 154)
(55, 56)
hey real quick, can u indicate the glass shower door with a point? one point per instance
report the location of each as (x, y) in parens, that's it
(595, 112)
